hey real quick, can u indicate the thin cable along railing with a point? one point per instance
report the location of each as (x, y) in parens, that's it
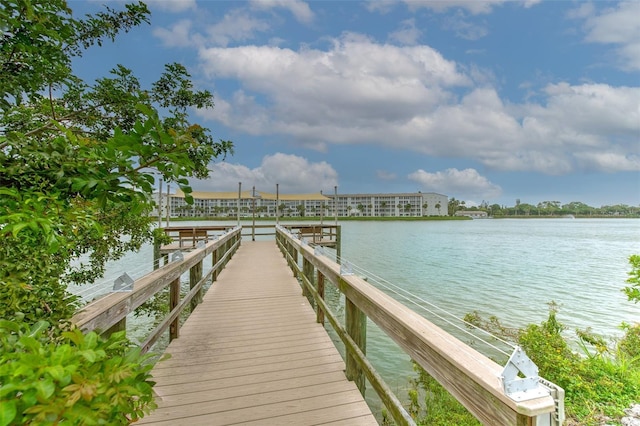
(424, 305)
(513, 394)
(89, 291)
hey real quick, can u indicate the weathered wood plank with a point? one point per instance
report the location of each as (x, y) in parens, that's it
(252, 351)
(105, 312)
(468, 375)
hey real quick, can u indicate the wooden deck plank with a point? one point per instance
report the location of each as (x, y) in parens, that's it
(252, 353)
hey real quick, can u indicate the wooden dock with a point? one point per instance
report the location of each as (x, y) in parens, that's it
(253, 354)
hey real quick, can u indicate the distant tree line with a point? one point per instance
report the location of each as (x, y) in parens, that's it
(548, 208)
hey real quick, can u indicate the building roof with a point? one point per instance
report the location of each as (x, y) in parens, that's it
(206, 195)
(316, 196)
(388, 194)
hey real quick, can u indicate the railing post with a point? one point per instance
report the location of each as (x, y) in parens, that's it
(174, 299)
(156, 252)
(119, 326)
(294, 257)
(307, 270)
(356, 325)
(339, 243)
(214, 260)
(195, 274)
(320, 289)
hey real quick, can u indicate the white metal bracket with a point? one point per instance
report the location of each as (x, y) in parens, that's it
(346, 268)
(520, 378)
(123, 283)
(177, 256)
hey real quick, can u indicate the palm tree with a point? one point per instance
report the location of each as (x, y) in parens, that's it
(424, 209)
(438, 207)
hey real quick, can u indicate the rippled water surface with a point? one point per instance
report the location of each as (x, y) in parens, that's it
(510, 268)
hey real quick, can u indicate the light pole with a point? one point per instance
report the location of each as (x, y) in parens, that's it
(239, 195)
(335, 202)
(253, 201)
(160, 205)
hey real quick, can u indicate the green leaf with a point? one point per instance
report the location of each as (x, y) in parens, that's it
(38, 328)
(56, 372)
(45, 389)
(89, 355)
(8, 412)
(16, 228)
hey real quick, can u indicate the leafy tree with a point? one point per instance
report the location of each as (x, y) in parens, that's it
(77, 160)
(78, 163)
(633, 291)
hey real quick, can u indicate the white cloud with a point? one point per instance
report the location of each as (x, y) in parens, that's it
(407, 34)
(380, 6)
(237, 25)
(610, 161)
(462, 183)
(351, 85)
(616, 25)
(294, 174)
(474, 7)
(531, 3)
(412, 98)
(299, 9)
(385, 175)
(178, 35)
(173, 6)
(465, 28)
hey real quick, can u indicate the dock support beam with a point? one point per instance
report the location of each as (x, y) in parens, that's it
(320, 289)
(174, 300)
(356, 325)
(195, 274)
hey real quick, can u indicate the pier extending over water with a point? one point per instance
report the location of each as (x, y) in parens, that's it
(231, 360)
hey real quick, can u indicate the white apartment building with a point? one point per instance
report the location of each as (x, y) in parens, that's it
(413, 204)
(264, 204)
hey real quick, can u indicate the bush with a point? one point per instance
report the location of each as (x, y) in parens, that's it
(76, 378)
(440, 407)
(600, 382)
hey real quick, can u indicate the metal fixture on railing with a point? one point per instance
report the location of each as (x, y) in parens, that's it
(123, 283)
(177, 256)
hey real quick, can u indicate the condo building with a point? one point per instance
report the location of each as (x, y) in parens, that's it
(265, 204)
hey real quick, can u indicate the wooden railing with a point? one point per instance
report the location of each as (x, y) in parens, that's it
(472, 378)
(109, 313)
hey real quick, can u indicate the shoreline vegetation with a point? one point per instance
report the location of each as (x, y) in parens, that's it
(328, 220)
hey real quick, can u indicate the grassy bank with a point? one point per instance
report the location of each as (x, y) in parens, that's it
(327, 220)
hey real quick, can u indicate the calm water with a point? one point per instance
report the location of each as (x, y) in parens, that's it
(508, 268)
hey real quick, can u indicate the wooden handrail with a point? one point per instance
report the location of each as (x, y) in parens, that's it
(469, 376)
(108, 311)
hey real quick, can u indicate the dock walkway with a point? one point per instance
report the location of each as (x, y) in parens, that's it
(253, 354)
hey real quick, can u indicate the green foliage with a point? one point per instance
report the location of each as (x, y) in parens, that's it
(78, 167)
(76, 378)
(633, 291)
(431, 404)
(78, 163)
(630, 343)
(600, 378)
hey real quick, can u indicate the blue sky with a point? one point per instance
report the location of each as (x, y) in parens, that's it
(479, 100)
